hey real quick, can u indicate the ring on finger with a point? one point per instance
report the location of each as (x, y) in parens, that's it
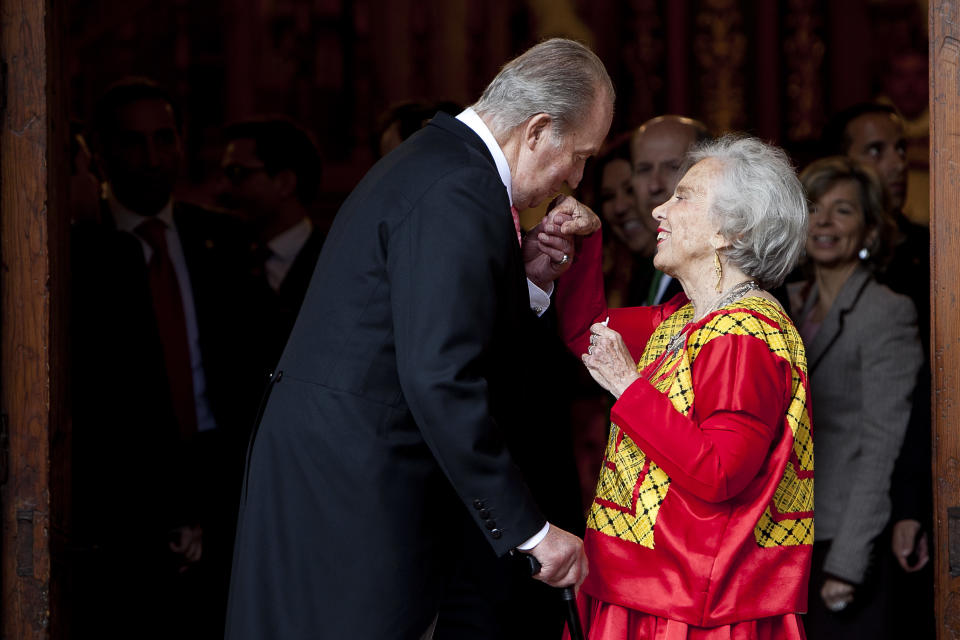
(590, 349)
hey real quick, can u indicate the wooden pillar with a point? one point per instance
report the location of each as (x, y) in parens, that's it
(945, 304)
(33, 147)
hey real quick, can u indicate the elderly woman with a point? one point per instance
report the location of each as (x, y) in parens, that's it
(702, 524)
(864, 355)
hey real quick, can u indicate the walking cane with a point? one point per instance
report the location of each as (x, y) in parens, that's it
(569, 597)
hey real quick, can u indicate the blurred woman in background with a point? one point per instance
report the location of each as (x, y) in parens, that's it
(863, 354)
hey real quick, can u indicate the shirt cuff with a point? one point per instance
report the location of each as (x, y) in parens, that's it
(539, 299)
(536, 539)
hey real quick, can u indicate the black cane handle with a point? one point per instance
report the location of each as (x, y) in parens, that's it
(569, 596)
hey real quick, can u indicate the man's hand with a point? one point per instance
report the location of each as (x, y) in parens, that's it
(549, 248)
(187, 543)
(908, 540)
(547, 252)
(561, 558)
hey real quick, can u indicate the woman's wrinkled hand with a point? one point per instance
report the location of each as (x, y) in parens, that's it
(609, 361)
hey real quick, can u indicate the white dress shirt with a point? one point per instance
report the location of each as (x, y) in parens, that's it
(127, 220)
(284, 248)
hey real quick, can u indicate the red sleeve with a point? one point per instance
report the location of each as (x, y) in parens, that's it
(581, 302)
(740, 395)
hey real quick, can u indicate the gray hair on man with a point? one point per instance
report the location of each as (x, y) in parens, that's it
(760, 205)
(559, 77)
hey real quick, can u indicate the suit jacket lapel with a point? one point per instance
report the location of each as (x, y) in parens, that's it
(833, 323)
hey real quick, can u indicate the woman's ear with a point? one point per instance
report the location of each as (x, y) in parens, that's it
(719, 242)
(871, 239)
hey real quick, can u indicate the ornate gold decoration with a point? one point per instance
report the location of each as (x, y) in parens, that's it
(720, 47)
(803, 51)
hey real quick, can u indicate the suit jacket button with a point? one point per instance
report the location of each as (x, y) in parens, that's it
(490, 524)
(496, 533)
(484, 513)
(478, 504)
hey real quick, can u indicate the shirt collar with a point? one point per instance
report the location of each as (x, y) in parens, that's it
(470, 118)
(287, 244)
(127, 220)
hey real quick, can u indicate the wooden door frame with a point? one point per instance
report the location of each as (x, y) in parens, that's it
(34, 445)
(34, 297)
(945, 305)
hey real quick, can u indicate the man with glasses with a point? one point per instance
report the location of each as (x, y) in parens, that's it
(271, 172)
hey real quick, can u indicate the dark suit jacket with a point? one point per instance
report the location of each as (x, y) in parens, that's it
(385, 425)
(134, 478)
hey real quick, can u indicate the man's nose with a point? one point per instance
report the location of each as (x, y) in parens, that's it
(152, 154)
(896, 162)
(657, 182)
(575, 176)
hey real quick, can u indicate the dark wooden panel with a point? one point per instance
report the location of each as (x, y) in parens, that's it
(945, 300)
(32, 295)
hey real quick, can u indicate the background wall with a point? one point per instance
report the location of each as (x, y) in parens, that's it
(777, 68)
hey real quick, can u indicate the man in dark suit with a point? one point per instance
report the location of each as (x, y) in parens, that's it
(386, 426)
(271, 174)
(158, 386)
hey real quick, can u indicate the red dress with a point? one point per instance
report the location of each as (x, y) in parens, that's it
(702, 524)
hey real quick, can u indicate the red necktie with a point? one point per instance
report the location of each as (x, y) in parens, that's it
(516, 222)
(172, 325)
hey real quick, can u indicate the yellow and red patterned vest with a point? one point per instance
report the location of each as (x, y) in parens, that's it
(704, 505)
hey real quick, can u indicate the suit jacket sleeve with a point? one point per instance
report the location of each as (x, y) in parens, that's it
(890, 358)
(448, 275)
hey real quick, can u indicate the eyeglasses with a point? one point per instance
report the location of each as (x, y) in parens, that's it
(237, 173)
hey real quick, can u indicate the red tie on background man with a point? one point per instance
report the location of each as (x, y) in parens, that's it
(171, 323)
(516, 222)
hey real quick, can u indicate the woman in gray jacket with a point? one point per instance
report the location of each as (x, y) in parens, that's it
(863, 355)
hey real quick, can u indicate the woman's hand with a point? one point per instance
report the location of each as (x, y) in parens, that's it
(609, 361)
(836, 594)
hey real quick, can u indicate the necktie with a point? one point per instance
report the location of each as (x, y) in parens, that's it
(172, 325)
(516, 222)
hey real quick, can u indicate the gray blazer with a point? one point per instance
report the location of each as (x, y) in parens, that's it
(863, 364)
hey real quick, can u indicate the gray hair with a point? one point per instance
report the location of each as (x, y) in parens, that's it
(559, 77)
(759, 204)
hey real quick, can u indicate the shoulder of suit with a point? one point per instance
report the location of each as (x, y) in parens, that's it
(884, 300)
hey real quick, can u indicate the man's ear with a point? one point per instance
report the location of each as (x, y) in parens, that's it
(537, 129)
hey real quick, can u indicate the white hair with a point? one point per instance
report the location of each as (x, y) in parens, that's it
(559, 77)
(760, 205)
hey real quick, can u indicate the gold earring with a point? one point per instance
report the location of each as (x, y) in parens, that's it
(718, 268)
